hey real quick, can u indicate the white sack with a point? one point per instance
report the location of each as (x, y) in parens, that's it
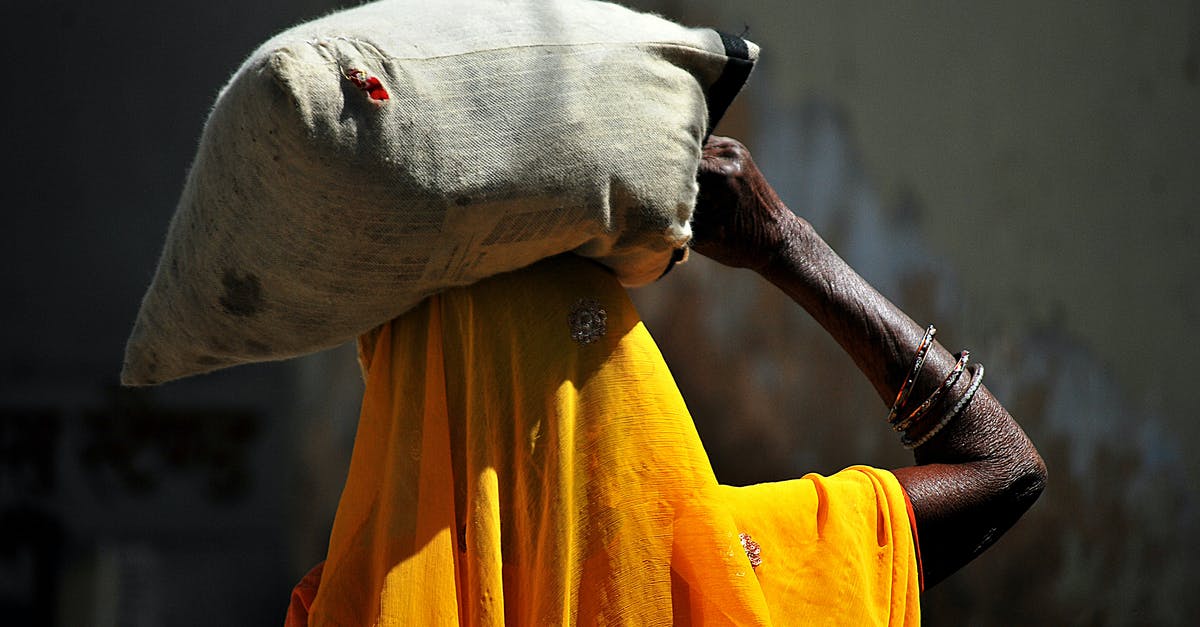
(512, 131)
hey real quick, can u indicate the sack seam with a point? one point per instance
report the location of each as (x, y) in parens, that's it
(317, 43)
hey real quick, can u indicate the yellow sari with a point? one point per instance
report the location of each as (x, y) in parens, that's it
(505, 472)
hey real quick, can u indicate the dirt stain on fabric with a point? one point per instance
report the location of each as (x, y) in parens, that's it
(255, 347)
(243, 294)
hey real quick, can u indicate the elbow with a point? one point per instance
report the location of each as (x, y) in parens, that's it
(1018, 472)
(1017, 489)
(1026, 480)
(1031, 482)
(1036, 475)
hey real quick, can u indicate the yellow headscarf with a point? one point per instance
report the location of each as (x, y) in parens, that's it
(505, 472)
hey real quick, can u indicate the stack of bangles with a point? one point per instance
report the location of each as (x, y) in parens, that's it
(916, 420)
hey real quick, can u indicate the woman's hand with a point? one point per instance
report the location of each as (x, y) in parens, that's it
(739, 221)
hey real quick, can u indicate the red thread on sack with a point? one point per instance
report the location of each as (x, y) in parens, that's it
(368, 84)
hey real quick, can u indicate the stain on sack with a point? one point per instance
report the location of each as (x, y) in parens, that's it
(255, 347)
(243, 294)
(219, 346)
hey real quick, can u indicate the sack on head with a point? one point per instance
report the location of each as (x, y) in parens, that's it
(358, 163)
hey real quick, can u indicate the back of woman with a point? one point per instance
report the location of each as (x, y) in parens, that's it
(524, 457)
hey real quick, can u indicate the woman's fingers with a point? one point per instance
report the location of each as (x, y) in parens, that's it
(738, 216)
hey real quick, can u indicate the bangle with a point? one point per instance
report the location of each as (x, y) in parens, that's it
(906, 387)
(951, 379)
(976, 380)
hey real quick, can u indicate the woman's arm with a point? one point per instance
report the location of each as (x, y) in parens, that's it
(974, 478)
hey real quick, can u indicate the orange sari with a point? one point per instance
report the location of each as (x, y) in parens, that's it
(505, 473)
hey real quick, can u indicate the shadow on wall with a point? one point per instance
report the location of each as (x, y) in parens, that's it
(1110, 540)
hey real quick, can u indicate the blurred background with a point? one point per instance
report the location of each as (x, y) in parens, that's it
(1025, 175)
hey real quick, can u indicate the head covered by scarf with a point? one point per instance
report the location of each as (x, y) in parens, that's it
(507, 470)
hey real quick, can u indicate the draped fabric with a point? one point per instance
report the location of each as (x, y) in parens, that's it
(505, 473)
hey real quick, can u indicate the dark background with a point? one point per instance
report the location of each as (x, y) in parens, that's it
(1025, 176)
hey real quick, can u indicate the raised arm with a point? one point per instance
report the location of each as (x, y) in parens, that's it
(973, 478)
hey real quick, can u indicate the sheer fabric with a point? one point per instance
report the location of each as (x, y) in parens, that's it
(504, 473)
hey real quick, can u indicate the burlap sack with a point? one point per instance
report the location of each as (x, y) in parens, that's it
(356, 164)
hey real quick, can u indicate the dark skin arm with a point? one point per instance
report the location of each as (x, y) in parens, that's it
(972, 480)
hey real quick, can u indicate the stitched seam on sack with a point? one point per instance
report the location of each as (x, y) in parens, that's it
(318, 43)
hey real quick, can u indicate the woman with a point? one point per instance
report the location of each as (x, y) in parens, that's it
(524, 457)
